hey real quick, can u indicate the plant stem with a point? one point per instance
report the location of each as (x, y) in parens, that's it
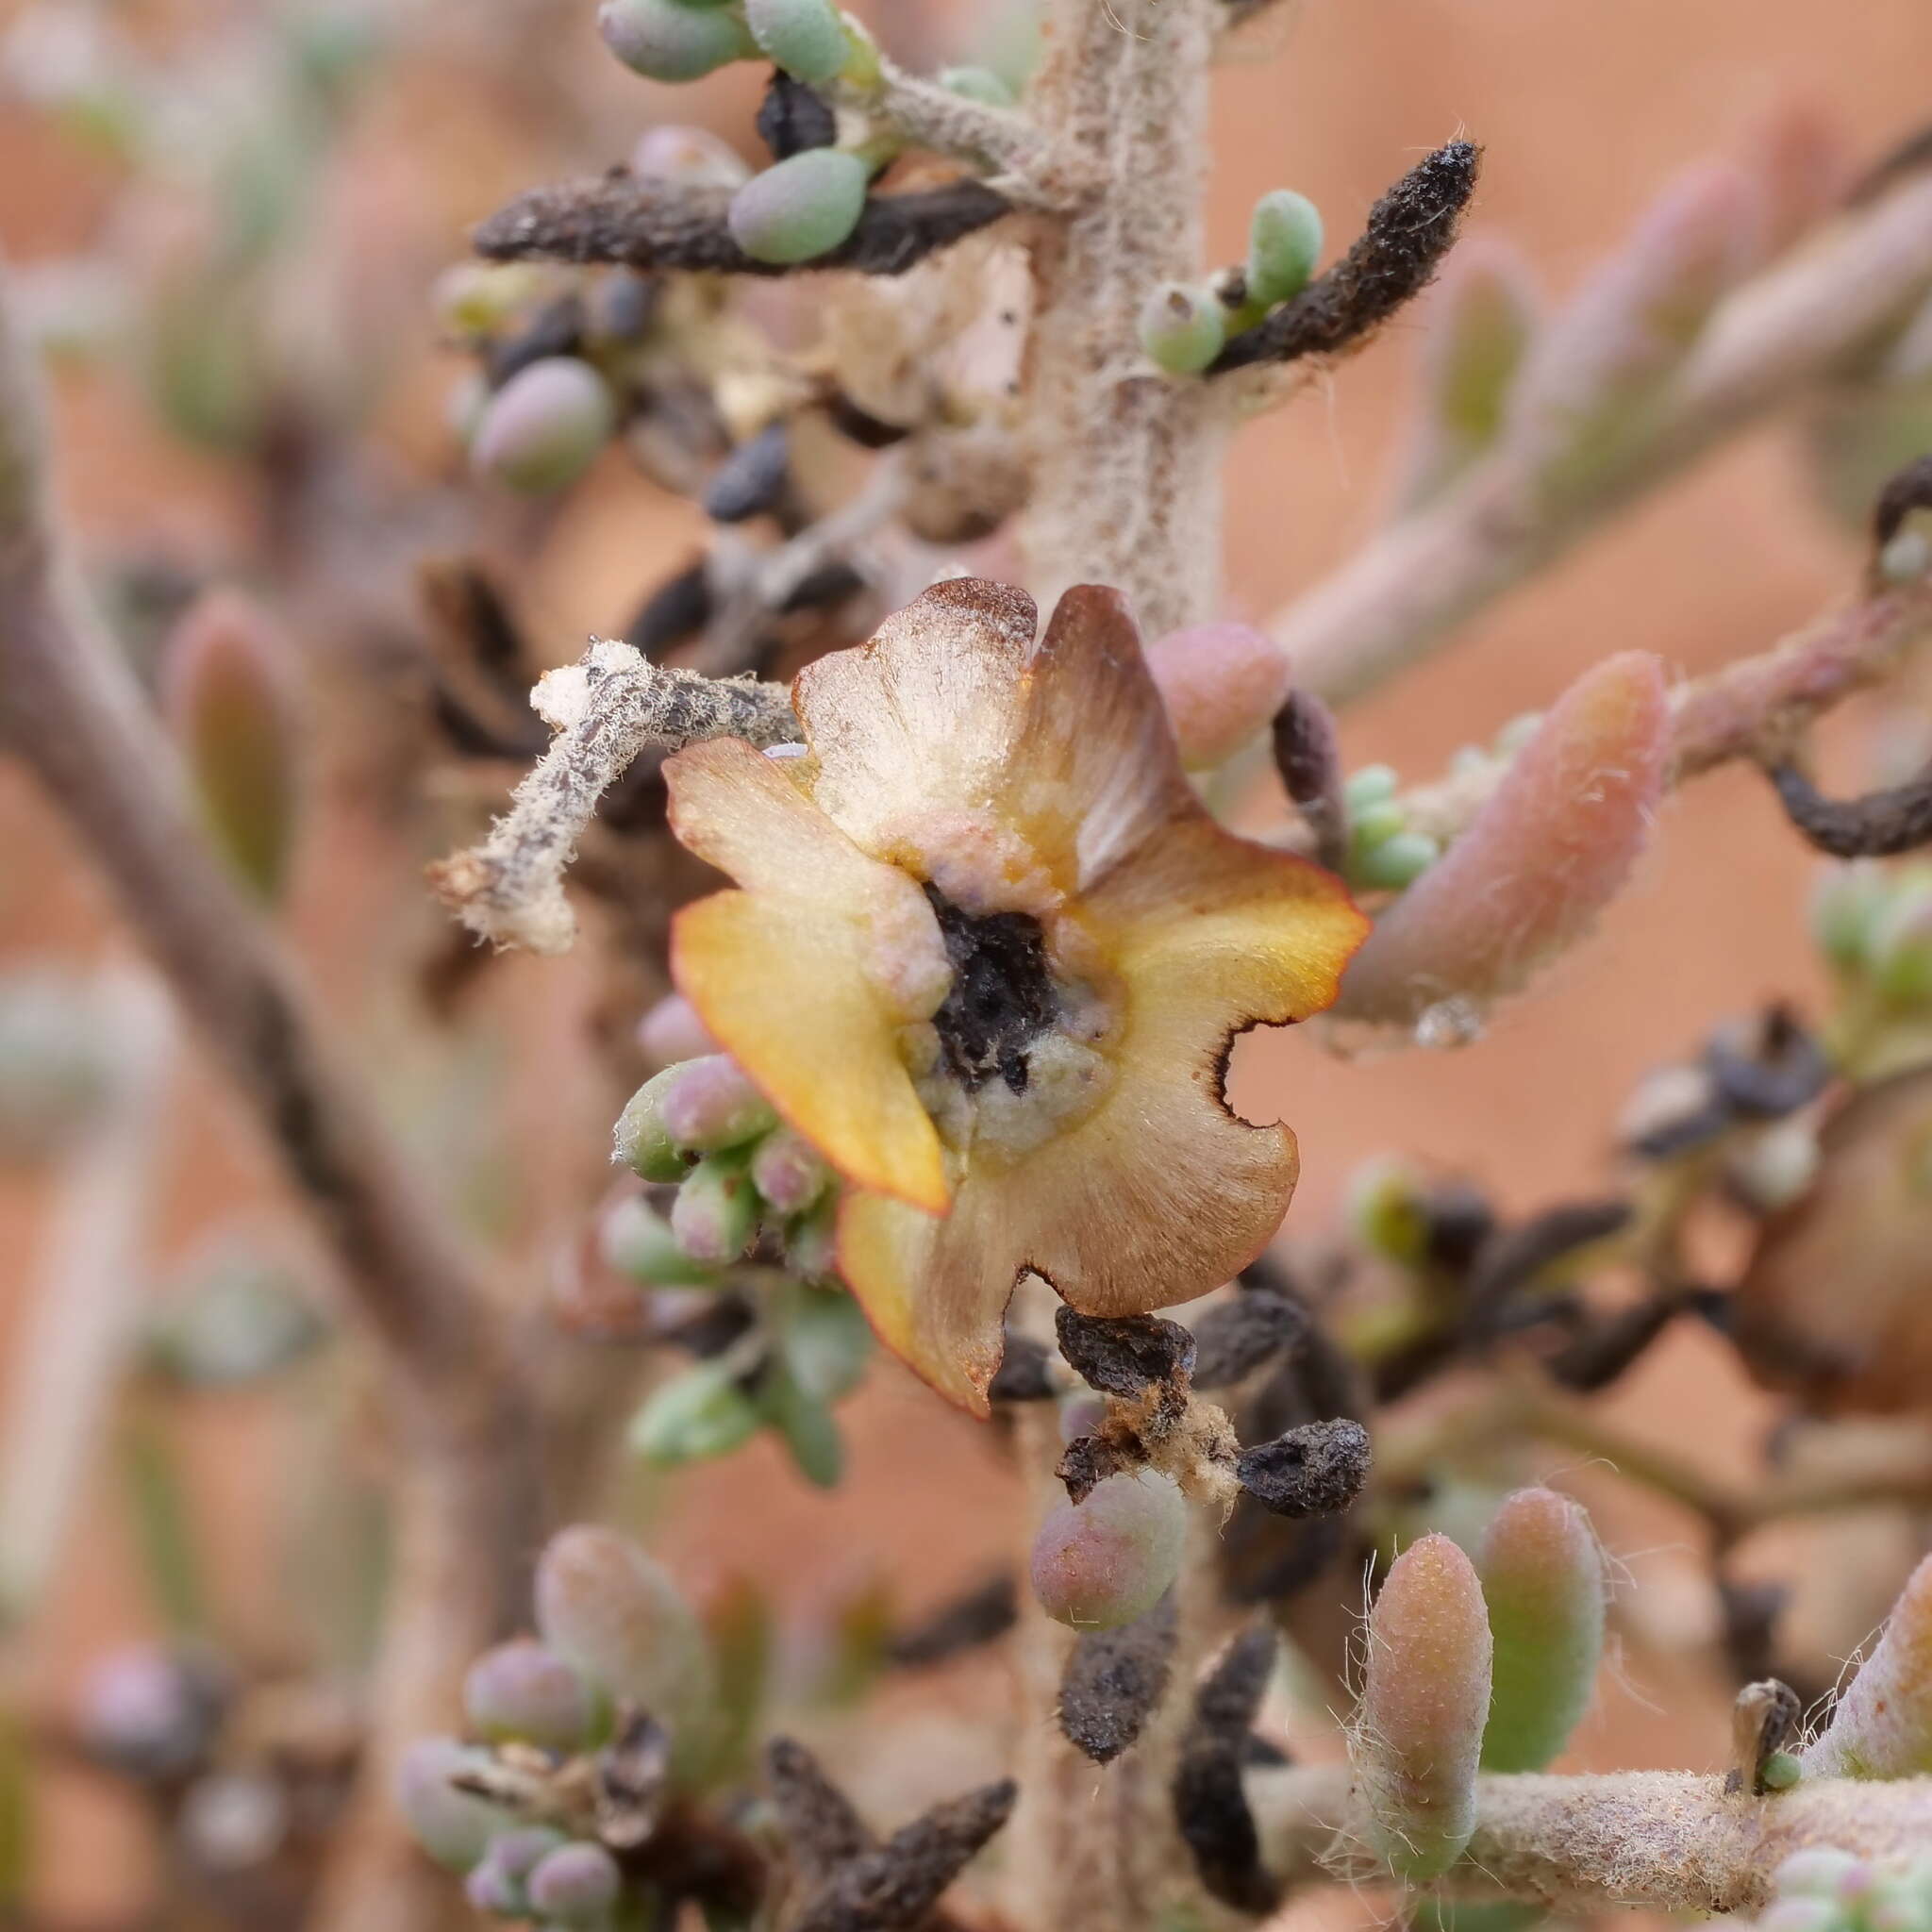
(1673, 1841)
(1126, 487)
(69, 709)
(1401, 595)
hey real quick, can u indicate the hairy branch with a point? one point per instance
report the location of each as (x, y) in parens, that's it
(70, 712)
(1790, 327)
(651, 225)
(605, 709)
(1672, 1841)
(1753, 708)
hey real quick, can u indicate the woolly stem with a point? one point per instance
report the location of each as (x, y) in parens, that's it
(607, 709)
(1670, 1840)
(1126, 487)
(1097, 1848)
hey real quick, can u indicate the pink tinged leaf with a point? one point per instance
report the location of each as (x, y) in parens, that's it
(1801, 156)
(1482, 320)
(1882, 1726)
(1600, 366)
(1542, 1575)
(1540, 860)
(227, 692)
(1425, 1698)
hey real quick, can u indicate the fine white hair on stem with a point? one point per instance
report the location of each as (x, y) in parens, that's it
(607, 710)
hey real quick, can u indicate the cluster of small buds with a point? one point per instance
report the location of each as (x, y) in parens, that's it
(1185, 326)
(809, 201)
(1383, 853)
(578, 1735)
(701, 1125)
(795, 1342)
(548, 399)
(1873, 925)
(1823, 1890)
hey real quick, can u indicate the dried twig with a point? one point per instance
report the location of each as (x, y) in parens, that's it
(1409, 232)
(650, 225)
(607, 709)
(1790, 327)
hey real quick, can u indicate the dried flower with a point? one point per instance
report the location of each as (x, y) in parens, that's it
(990, 956)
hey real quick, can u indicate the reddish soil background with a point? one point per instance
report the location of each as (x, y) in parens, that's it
(1585, 112)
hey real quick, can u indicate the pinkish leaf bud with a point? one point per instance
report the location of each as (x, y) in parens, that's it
(608, 1608)
(544, 427)
(786, 1172)
(1221, 683)
(1099, 1564)
(1541, 858)
(716, 1209)
(672, 1031)
(811, 1242)
(669, 39)
(710, 1105)
(1183, 328)
(451, 1825)
(577, 1885)
(800, 208)
(1543, 1577)
(521, 1690)
(1881, 1727)
(693, 156)
(1425, 1698)
(227, 691)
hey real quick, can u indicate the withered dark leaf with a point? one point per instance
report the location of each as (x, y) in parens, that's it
(1879, 825)
(644, 223)
(1514, 1257)
(1122, 1356)
(1114, 1681)
(980, 1616)
(1091, 1460)
(1210, 1805)
(1241, 1334)
(753, 480)
(822, 1829)
(893, 1889)
(1409, 230)
(1023, 1375)
(632, 1781)
(1317, 1469)
(1308, 755)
